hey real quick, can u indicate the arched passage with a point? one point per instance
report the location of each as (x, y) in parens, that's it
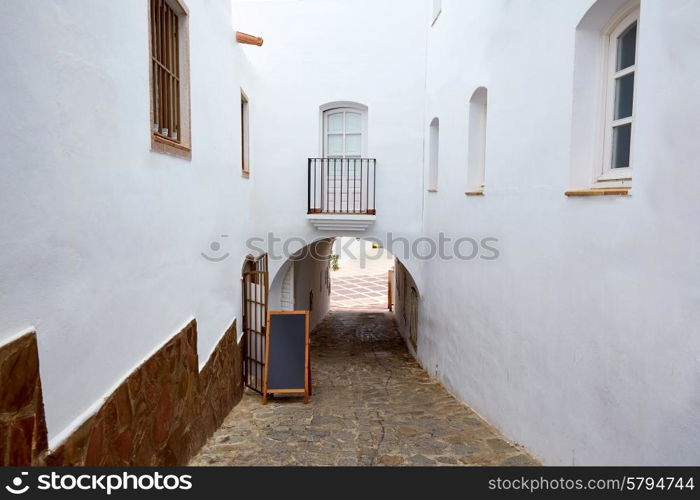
(365, 387)
(368, 278)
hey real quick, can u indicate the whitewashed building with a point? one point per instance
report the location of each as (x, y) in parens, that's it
(553, 143)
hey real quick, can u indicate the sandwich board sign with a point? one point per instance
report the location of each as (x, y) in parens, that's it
(287, 364)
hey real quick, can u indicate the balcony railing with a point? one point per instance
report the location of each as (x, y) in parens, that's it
(342, 186)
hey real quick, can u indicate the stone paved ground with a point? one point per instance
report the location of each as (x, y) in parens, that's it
(359, 292)
(372, 404)
(361, 283)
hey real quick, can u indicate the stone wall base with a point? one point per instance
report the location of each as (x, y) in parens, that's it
(22, 426)
(161, 414)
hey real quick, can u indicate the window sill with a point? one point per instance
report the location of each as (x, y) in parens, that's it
(613, 182)
(598, 192)
(160, 144)
(475, 192)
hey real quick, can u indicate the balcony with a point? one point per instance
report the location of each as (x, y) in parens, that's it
(341, 193)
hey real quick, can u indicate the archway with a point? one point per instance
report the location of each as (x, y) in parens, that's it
(368, 278)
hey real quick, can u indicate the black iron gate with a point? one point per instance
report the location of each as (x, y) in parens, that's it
(255, 288)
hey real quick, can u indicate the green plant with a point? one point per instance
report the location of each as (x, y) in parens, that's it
(334, 261)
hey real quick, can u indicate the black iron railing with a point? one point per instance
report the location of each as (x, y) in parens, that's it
(342, 186)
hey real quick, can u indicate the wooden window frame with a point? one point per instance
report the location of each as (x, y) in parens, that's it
(245, 135)
(177, 69)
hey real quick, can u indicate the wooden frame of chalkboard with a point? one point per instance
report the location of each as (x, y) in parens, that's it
(270, 339)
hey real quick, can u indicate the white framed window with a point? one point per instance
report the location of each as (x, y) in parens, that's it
(620, 71)
(437, 8)
(344, 175)
(345, 133)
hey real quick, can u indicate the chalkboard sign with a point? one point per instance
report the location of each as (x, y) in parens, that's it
(287, 353)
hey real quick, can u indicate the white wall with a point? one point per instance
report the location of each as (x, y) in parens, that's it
(287, 291)
(406, 306)
(100, 238)
(298, 276)
(320, 51)
(312, 275)
(581, 340)
(349, 248)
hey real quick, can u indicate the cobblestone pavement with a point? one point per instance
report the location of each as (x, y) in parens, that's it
(372, 404)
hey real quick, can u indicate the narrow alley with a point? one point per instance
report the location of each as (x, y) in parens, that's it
(372, 404)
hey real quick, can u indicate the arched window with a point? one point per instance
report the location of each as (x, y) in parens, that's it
(345, 132)
(476, 159)
(342, 181)
(619, 105)
(434, 155)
